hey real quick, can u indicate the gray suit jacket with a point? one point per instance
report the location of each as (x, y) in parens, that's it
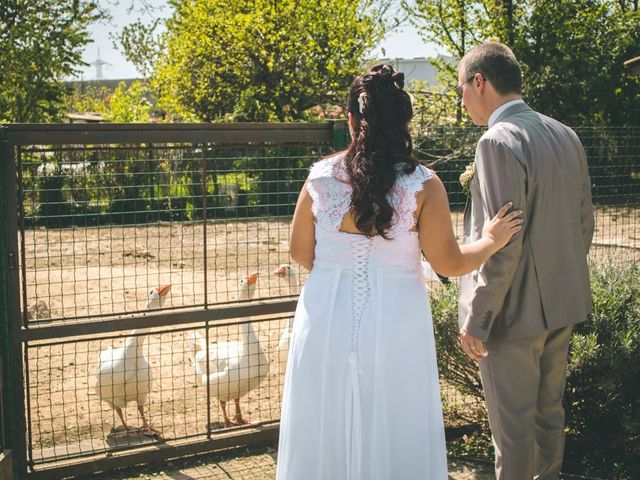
(540, 280)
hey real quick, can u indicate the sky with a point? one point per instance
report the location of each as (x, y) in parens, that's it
(402, 43)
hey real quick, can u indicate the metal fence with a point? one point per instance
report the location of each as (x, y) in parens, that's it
(614, 166)
(98, 220)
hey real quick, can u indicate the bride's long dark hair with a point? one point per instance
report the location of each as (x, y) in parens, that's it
(381, 146)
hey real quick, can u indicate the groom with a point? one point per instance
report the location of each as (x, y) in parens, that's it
(518, 310)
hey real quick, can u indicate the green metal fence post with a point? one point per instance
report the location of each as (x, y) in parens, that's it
(340, 137)
(13, 418)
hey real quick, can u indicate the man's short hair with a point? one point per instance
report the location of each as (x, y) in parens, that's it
(497, 63)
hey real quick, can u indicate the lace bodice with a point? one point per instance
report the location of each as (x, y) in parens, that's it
(331, 194)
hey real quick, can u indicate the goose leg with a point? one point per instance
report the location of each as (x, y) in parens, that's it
(237, 418)
(227, 422)
(119, 412)
(147, 429)
(122, 430)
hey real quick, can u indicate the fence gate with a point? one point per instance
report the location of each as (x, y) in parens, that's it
(97, 221)
(127, 286)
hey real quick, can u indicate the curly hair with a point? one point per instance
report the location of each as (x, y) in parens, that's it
(381, 146)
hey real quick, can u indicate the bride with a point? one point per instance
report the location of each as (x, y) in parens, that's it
(361, 395)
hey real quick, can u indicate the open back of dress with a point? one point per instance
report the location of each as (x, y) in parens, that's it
(361, 396)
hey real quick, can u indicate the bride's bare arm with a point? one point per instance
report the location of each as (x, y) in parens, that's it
(438, 241)
(302, 242)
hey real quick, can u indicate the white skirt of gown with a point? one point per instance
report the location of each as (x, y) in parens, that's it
(371, 415)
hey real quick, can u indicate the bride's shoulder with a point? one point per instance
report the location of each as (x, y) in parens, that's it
(325, 167)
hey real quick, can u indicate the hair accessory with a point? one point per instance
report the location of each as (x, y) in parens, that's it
(362, 100)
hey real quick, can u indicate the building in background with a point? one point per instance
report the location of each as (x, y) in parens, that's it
(415, 69)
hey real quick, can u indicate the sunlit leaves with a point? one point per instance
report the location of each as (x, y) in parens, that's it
(261, 60)
(42, 43)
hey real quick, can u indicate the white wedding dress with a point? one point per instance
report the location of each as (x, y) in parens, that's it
(361, 395)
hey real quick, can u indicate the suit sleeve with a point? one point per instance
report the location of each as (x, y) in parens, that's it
(501, 179)
(587, 218)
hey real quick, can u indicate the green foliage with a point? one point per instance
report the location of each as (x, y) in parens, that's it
(603, 392)
(460, 372)
(613, 162)
(42, 42)
(260, 61)
(571, 52)
(452, 24)
(129, 105)
(143, 183)
(476, 445)
(140, 45)
(89, 98)
(458, 25)
(432, 106)
(602, 398)
(454, 365)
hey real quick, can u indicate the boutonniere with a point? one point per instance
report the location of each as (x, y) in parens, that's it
(467, 176)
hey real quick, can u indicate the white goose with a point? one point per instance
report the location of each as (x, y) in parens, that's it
(282, 349)
(235, 367)
(124, 374)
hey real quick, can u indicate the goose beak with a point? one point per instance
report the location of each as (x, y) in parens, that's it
(280, 271)
(163, 290)
(252, 279)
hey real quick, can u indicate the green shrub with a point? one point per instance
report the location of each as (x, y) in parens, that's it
(603, 385)
(454, 365)
(461, 373)
(602, 399)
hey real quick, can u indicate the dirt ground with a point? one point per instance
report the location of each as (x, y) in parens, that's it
(87, 272)
(257, 463)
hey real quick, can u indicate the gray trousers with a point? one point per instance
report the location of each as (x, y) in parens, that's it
(524, 381)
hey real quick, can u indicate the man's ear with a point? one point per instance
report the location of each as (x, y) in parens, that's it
(482, 83)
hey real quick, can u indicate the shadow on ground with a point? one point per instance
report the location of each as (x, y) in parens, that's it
(256, 463)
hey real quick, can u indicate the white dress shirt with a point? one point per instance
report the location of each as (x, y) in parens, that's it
(502, 108)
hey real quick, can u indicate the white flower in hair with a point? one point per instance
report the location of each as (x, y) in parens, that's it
(362, 99)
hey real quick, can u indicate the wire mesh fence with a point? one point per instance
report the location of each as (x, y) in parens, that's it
(119, 245)
(167, 376)
(613, 155)
(108, 220)
(105, 223)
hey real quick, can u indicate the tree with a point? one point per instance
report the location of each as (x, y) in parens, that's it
(129, 105)
(42, 42)
(571, 52)
(262, 60)
(140, 44)
(453, 24)
(87, 97)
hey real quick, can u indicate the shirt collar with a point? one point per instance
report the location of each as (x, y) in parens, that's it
(502, 108)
